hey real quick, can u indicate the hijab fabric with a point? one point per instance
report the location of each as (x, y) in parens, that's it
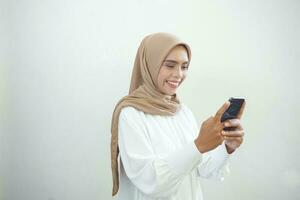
(143, 93)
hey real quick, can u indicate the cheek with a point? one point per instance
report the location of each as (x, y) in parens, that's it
(160, 81)
(162, 76)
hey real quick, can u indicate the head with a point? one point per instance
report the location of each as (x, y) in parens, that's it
(173, 70)
(160, 65)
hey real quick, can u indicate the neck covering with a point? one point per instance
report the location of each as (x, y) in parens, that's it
(143, 93)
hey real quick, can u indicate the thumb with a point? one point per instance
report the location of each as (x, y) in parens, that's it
(222, 110)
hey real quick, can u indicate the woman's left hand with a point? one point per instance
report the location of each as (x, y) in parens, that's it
(234, 138)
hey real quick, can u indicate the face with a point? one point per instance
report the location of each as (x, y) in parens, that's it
(173, 70)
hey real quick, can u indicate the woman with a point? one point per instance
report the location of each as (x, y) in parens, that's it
(162, 151)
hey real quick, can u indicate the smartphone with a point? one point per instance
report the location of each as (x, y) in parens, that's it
(232, 111)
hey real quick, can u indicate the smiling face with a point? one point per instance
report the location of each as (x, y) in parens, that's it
(173, 70)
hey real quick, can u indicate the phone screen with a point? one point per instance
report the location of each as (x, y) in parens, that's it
(233, 110)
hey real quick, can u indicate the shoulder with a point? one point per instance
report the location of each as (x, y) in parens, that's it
(130, 113)
(132, 117)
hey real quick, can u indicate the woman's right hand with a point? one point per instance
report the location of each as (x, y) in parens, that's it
(210, 132)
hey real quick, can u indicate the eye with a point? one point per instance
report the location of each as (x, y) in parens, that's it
(185, 67)
(170, 66)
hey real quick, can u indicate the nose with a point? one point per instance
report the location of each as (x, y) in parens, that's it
(178, 72)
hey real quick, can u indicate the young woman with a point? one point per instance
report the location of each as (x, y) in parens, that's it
(162, 151)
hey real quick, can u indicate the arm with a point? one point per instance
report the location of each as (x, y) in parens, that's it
(153, 175)
(214, 162)
(219, 156)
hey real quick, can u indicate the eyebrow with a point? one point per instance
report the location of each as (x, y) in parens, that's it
(173, 61)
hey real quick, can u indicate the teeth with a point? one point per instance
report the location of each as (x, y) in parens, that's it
(175, 84)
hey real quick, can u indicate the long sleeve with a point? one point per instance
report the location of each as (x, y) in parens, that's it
(153, 175)
(214, 163)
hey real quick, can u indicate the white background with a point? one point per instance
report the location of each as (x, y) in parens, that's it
(65, 64)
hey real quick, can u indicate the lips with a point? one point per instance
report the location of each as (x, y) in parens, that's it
(173, 84)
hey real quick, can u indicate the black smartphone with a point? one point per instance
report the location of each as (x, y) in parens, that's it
(232, 111)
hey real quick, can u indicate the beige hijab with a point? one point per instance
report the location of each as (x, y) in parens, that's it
(143, 92)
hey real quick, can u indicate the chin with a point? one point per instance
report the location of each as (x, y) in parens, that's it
(167, 91)
(170, 93)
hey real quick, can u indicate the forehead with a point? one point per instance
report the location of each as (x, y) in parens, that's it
(178, 53)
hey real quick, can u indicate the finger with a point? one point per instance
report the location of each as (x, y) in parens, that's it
(233, 133)
(239, 128)
(241, 110)
(232, 123)
(238, 140)
(209, 119)
(222, 110)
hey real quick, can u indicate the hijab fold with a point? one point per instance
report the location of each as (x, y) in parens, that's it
(143, 93)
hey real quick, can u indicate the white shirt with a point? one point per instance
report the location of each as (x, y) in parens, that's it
(159, 159)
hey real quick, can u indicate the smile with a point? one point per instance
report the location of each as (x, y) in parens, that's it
(173, 84)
